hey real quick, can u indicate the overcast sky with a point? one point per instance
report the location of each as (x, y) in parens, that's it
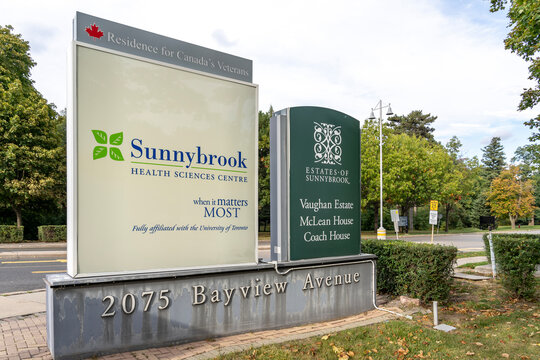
(444, 57)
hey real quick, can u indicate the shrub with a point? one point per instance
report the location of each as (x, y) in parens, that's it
(505, 236)
(52, 233)
(517, 256)
(418, 270)
(11, 233)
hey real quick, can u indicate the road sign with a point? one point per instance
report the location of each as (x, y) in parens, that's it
(433, 217)
(394, 214)
(403, 221)
(434, 205)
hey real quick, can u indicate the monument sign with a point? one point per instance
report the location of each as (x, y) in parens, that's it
(316, 188)
(162, 217)
(162, 154)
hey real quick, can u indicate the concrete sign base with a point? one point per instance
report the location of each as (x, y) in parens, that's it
(96, 316)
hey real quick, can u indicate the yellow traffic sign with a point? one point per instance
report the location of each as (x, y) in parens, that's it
(434, 205)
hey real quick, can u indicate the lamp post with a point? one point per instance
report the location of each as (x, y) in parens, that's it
(381, 232)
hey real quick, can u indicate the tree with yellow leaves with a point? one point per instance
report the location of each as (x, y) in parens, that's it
(510, 195)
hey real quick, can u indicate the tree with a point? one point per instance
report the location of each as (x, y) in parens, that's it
(454, 176)
(511, 196)
(15, 60)
(453, 147)
(31, 149)
(474, 197)
(414, 169)
(415, 123)
(264, 164)
(418, 173)
(524, 40)
(493, 159)
(370, 167)
(528, 158)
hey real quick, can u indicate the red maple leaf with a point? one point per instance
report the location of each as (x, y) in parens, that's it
(94, 31)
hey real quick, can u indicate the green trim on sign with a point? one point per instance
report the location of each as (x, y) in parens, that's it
(236, 171)
(145, 163)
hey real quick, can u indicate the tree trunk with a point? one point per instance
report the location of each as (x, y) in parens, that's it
(411, 216)
(531, 222)
(513, 221)
(19, 216)
(447, 215)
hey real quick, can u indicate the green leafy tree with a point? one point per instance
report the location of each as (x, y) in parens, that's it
(453, 147)
(454, 173)
(370, 167)
(493, 162)
(473, 202)
(415, 123)
(511, 196)
(418, 174)
(493, 159)
(31, 149)
(414, 170)
(528, 159)
(524, 40)
(264, 165)
(15, 60)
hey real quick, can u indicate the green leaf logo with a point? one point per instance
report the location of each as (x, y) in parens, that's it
(116, 154)
(101, 151)
(117, 139)
(100, 136)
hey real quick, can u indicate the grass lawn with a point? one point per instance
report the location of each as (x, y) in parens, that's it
(490, 325)
(462, 255)
(473, 265)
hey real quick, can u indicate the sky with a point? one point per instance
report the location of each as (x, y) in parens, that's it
(444, 57)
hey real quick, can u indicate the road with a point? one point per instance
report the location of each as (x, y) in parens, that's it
(464, 242)
(25, 274)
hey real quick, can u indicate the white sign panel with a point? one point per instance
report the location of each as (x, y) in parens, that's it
(433, 217)
(394, 214)
(163, 167)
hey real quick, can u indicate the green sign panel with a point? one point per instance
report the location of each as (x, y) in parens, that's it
(324, 183)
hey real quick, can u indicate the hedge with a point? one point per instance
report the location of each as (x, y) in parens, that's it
(417, 270)
(506, 236)
(516, 256)
(52, 233)
(11, 233)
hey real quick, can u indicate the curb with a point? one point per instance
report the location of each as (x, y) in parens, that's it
(31, 254)
(23, 292)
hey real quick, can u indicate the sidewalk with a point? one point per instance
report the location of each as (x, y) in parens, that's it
(32, 249)
(25, 337)
(22, 303)
(23, 332)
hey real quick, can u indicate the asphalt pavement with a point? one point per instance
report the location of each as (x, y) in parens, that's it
(23, 266)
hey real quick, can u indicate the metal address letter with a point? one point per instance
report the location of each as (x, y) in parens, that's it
(150, 295)
(124, 303)
(106, 313)
(164, 298)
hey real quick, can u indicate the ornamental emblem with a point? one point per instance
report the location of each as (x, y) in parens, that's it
(327, 143)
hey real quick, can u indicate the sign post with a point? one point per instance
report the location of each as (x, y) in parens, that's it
(395, 219)
(433, 216)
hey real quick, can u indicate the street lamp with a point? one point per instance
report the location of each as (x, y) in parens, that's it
(381, 232)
